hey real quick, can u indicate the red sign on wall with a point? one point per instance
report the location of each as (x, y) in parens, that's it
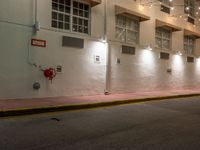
(37, 42)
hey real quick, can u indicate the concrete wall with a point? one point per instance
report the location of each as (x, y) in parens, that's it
(81, 74)
(145, 71)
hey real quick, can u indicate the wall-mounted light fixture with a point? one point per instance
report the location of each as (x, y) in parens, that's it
(148, 47)
(179, 53)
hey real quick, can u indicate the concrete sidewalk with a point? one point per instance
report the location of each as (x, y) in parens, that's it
(16, 107)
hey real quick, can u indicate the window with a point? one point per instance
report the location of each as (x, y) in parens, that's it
(189, 6)
(71, 15)
(166, 2)
(127, 29)
(191, 20)
(165, 9)
(163, 38)
(189, 43)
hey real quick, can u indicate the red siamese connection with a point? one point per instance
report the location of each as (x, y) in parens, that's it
(49, 73)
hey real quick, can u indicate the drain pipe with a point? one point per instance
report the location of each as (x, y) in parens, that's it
(37, 23)
(36, 27)
(35, 11)
(107, 49)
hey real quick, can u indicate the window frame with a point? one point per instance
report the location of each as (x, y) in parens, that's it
(162, 38)
(125, 28)
(186, 44)
(71, 15)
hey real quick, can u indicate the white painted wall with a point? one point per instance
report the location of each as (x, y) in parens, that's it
(81, 75)
(145, 71)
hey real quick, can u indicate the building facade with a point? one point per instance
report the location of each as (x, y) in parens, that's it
(98, 46)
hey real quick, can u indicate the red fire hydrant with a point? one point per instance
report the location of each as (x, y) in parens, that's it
(49, 73)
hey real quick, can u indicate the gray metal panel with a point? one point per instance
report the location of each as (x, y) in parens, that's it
(128, 50)
(72, 42)
(164, 55)
(190, 59)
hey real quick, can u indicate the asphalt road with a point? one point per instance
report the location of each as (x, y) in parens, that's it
(158, 125)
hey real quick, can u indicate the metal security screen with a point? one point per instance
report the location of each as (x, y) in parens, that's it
(164, 55)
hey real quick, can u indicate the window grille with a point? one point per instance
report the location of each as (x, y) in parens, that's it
(127, 29)
(71, 15)
(163, 38)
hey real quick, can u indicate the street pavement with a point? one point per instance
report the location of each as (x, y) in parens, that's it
(155, 125)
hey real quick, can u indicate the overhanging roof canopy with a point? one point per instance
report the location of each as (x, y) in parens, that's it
(166, 25)
(95, 2)
(191, 33)
(123, 11)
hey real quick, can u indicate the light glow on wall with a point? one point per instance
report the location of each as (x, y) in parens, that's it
(141, 7)
(147, 57)
(197, 65)
(177, 62)
(98, 47)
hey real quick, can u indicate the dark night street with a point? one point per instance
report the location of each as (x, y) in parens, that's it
(100, 75)
(157, 125)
